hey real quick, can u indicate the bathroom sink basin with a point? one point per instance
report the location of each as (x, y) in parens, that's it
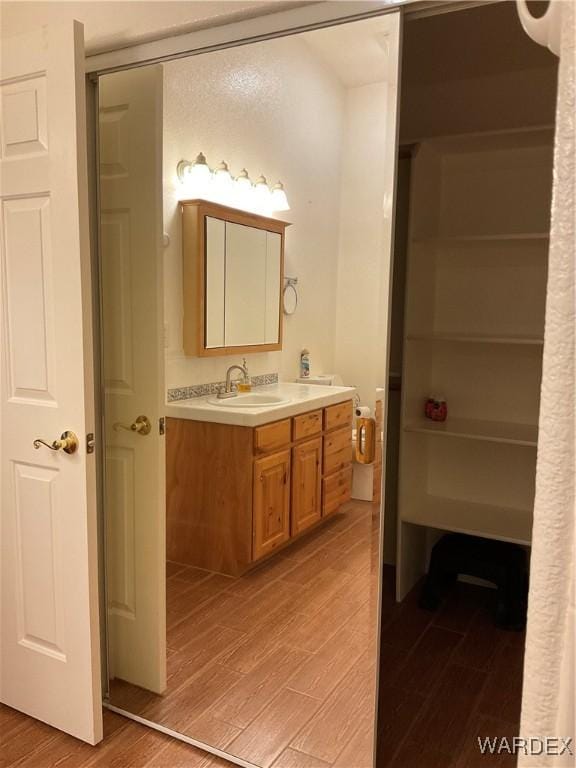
(250, 400)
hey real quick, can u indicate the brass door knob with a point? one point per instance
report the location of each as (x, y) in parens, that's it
(68, 443)
(141, 426)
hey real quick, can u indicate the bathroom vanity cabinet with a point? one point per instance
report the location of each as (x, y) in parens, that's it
(237, 494)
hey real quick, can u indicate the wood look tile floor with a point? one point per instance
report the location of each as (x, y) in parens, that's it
(277, 667)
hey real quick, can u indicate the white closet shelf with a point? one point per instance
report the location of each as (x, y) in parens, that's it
(475, 291)
(486, 520)
(477, 429)
(488, 238)
(476, 338)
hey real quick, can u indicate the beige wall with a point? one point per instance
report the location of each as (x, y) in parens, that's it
(275, 109)
(363, 256)
(474, 70)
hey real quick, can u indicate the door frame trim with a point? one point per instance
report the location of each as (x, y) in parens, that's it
(180, 736)
(267, 27)
(311, 15)
(92, 101)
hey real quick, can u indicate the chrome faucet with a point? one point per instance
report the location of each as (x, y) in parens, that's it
(230, 390)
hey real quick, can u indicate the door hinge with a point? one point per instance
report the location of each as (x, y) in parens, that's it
(162, 425)
(90, 442)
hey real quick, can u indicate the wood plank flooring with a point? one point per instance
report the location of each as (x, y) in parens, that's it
(278, 667)
(446, 678)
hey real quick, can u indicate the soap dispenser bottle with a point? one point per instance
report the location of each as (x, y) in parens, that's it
(245, 385)
(305, 364)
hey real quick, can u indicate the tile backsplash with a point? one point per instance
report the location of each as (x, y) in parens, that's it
(201, 390)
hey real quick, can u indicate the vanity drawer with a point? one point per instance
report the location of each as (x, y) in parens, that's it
(336, 490)
(338, 415)
(307, 425)
(270, 437)
(337, 450)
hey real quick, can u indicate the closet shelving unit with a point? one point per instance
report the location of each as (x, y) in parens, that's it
(473, 333)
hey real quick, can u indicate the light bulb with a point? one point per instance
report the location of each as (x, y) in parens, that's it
(279, 199)
(262, 194)
(222, 182)
(199, 176)
(243, 190)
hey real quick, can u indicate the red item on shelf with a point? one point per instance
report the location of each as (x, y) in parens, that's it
(436, 409)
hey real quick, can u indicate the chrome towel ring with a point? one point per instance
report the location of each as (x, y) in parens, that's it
(290, 295)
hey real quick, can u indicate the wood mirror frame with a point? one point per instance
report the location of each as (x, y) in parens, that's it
(194, 213)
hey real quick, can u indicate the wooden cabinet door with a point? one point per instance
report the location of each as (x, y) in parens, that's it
(306, 484)
(271, 520)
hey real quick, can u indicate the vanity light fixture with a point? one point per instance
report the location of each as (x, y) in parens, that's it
(220, 186)
(279, 201)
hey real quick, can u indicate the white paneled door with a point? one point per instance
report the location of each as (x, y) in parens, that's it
(50, 660)
(130, 142)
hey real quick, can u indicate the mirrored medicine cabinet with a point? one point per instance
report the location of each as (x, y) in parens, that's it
(233, 271)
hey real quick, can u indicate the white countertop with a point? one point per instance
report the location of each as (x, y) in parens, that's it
(303, 397)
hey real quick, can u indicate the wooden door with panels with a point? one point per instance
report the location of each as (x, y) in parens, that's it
(130, 143)
(306, 485)
(271, 524)
(50, 663)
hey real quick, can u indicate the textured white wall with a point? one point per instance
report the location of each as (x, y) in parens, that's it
(364, 249)
(275, 108)
(548, 697)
